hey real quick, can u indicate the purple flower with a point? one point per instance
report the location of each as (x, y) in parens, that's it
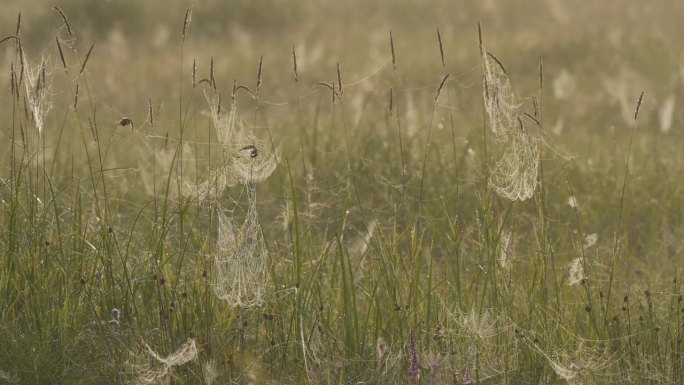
(466, 379)
(414, 361)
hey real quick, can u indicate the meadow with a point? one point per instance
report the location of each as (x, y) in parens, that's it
(390, 192)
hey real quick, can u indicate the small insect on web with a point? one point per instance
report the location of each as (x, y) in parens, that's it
(125, 122)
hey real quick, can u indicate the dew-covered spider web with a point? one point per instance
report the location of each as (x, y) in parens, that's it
(241, 253)
(245, 159)
(501, 103)
(514, 175)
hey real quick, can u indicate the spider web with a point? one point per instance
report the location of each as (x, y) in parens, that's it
(501, 103)
(514, 175)
(245, 158)
(241, 255)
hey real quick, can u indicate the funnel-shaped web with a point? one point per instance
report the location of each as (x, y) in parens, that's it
(245, 159)
(38, 91)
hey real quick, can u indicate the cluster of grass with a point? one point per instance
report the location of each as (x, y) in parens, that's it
(390, 256)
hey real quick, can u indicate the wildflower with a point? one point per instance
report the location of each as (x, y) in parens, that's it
(466, 378)
(414, 361)
(115, 317)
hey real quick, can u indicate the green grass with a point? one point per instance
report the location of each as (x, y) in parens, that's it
(380, 222)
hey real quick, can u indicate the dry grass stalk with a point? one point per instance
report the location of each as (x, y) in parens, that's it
(441, 85)
(76, 98)
(212, 79)
(258, 82)
(339, 80)
(218, 107)
(6, 38)
(186, 22)
(394, 59)
(18, 30)
(14, 81)
(638, 106)
(65, 20)
(150, 115)
(194, 73)
(541, 74)
(294, 62)
(61, 54)
(441, 48)
(85, 62)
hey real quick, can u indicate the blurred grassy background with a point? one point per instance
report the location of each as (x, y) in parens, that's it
(138, 43)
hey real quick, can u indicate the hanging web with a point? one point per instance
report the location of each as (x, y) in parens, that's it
(501, 103)
(157, 369)
(38, 91)
(514, 175)
(240, 263)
